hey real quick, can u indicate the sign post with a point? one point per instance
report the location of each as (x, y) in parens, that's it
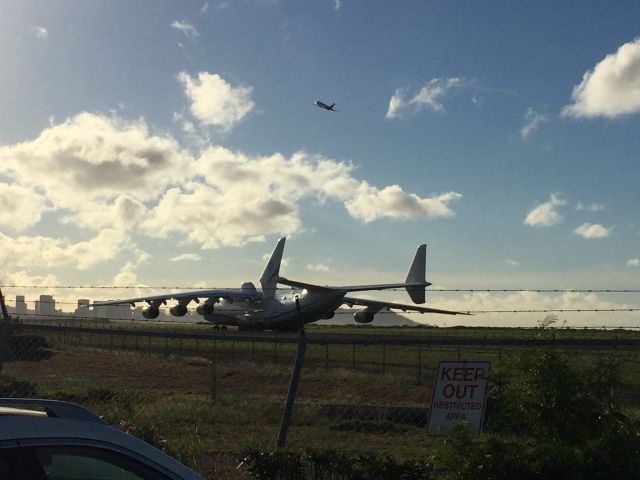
(459, 394)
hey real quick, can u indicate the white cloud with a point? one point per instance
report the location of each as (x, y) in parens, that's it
(370, 203)
(238, 199)
(320, 267)
(213, 219)
(492, 301)
(337, 4)
(396, 104)
(589, 230)
(612, 88)
(47, 252)
(592, 207)
(545, 214)
(512, 263)
(106, 174)
(429, 97)
(126, 276)
(532, 120)
(21, 207)
(185, 27)
(92, 158)
(214, 101)
(186, 257)
(122, 213)
(40, 33)
(633, 262)
(23, 278)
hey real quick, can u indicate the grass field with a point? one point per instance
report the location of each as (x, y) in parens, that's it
(212, 400)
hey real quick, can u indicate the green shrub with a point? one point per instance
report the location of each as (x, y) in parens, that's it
(12, 387)
(332, 465)
(279, 464)
(547, 417)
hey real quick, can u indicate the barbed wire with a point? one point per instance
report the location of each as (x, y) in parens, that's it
(13, 304)
(347, 312)
(559, 310)
(463, 290)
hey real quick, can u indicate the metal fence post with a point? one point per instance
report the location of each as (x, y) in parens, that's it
(353, 356)
(213, 379)
(293, 384)
(384, 359)
(326, 356)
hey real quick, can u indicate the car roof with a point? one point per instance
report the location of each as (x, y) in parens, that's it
(68, 423)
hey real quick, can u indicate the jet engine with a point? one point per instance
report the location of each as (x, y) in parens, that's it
(150, 312)
(363, 316)
(178, 310)
(205, 309)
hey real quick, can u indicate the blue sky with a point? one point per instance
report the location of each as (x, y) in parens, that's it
(172, 143)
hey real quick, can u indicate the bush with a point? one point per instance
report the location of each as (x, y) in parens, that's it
(329, 464)
(550, 418)
(12, 387)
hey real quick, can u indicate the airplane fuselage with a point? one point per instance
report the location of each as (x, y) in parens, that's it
(280, 312)
(320, 104)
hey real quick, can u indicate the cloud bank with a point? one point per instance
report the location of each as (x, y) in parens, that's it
(112, 181)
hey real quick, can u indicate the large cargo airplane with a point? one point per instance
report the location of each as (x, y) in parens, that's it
(270, 308)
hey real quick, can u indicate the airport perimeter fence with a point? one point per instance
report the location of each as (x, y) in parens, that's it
(208, 396)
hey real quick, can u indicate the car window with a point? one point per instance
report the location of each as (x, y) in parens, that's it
(89, 463)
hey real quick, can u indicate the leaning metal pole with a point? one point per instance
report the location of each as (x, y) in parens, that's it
(293, 384)
(4, 331)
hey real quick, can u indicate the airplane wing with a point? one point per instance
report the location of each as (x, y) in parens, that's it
(351, 288)
(376, 305)
(197, 295)
(308, 286)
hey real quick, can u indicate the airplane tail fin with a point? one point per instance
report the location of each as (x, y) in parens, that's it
(269, 278)
(332, 105)
(417, 275)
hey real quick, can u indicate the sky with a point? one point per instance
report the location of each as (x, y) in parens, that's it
(171, 143)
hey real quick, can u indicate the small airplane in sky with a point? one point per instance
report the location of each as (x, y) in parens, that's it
(320, 104)
(251, 309)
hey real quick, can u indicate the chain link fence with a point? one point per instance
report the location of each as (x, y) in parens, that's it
(207, 397)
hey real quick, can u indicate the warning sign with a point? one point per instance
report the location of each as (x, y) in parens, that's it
(459, 394)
